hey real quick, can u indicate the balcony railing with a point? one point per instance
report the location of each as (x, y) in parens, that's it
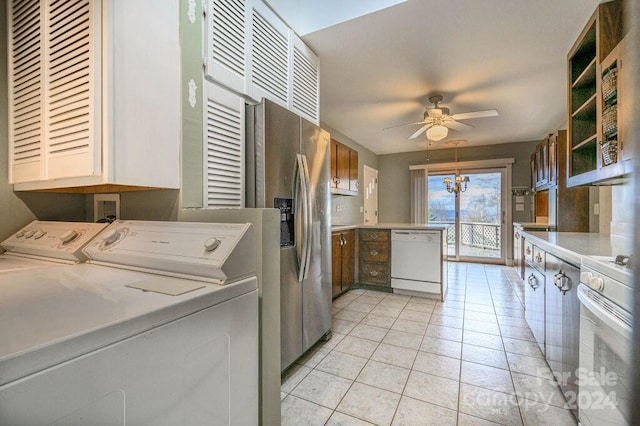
(483, 236)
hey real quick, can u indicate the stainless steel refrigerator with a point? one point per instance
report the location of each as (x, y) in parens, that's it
(287, 167)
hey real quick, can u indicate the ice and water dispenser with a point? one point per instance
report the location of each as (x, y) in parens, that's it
(287, 221)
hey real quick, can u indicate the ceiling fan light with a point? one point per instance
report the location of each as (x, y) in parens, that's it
(437, 132)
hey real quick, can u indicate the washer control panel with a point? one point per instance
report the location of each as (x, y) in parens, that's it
(56, 240)
(211, 251)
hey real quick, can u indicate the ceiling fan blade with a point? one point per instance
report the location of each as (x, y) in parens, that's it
(461, 127)
(421, 130)
(404, 125)
(475, 114)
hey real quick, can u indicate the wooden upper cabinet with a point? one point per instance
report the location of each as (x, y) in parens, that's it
(353, 171)
(344, 169)
(341, 179)
(541, 165)
(552, 148)
(597, 101)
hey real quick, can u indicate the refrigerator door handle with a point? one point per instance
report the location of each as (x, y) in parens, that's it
(300, 192)
(308, 215)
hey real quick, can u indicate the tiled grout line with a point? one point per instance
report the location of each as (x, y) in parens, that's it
(430, 318)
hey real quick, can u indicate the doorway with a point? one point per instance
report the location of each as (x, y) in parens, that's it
(475, 217)
(370, 179)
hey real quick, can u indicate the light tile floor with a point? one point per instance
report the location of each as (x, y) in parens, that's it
(403, 360)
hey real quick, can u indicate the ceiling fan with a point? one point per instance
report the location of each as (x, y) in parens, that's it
(438, 120)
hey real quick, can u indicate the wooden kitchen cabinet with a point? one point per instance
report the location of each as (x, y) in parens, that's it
(566, 208)
(374, 257)
(552, 153)
(344, 169)
(541, 165)
(342, 261)
(596, 100)
(91, 122)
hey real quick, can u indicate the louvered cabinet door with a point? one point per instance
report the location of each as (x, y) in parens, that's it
(304, 80)
(25, 51)
(224, 148)
(227, 43)
(269, 56)
(72, 110)
(53, 61)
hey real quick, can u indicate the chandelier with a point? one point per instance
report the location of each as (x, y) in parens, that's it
(460, 181)
(458, 186)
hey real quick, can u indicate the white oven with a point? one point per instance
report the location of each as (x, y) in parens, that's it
(604, 376)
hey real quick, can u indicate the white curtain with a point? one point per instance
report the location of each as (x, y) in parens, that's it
(419, 196)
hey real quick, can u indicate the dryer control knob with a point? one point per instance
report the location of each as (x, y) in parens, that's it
(111, 236)
(39, 234)
(69, 236)
(20, 234)
(29, 233)
(211, 244)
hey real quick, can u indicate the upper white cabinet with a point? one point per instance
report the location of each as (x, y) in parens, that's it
(94, 94)
(227, 43)
(251, 51)
(269, 56)
(304, 80)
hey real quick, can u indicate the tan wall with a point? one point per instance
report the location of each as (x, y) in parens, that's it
(350, 205)
(394, 183)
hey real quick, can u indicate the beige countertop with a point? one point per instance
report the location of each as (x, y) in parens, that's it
(412, 226)
(534, 225)
(571, 246)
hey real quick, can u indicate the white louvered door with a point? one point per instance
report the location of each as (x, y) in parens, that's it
(269, 56)
(53, 62)
(72, 113)
(304, 94)
(227, 43)
(25, 51)
(224, 148)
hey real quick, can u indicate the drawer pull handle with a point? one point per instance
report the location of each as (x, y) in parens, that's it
(374, 252)
(373, 273)
(528, 250)
(539, 258)
(374, 236)
(533, 282)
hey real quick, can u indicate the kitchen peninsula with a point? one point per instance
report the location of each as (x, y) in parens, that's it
(389, 257)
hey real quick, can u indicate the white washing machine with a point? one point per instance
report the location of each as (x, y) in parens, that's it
(159, 327)
(47, 244)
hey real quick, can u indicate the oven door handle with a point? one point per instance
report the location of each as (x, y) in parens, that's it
(610, 315)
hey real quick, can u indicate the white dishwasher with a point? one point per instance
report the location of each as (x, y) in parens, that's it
(416, 262)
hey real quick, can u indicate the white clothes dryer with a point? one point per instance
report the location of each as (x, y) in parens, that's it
(46, 244)
(159, 327)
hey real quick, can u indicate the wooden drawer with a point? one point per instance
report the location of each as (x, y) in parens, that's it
(539, 258)
(374, 273)
(374, 235)
(374, 252)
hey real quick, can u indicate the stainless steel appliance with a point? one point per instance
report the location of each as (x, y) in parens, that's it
(288, 169)
(606, 296)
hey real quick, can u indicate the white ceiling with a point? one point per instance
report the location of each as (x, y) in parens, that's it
(378, 70)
